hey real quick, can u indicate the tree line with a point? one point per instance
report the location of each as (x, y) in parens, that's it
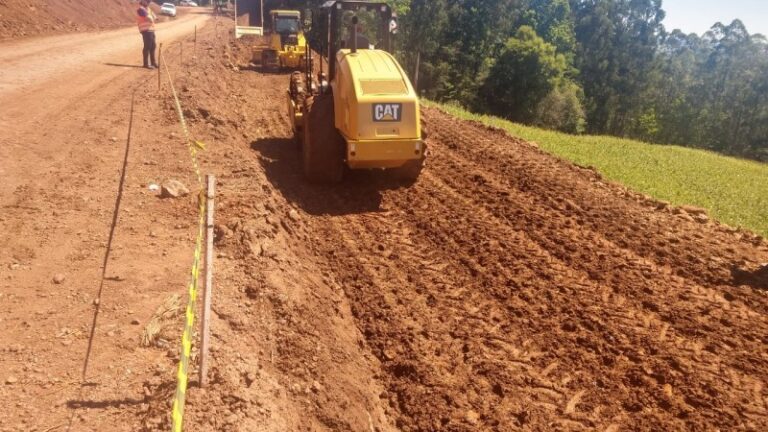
(591, 66)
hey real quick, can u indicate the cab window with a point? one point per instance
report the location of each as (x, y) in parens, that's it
(286, 25)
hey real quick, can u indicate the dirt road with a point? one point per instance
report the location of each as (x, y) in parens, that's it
(42, 78)
(64, 104)
(507, 290)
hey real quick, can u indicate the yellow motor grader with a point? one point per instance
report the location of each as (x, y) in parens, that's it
(287, 44)
(364, 113)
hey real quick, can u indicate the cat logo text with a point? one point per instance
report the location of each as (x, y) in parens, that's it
(387, 112)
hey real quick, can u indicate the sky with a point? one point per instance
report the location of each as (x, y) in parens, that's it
(697, 16)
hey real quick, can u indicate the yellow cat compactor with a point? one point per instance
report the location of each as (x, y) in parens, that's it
(287, 44)
(364, 114)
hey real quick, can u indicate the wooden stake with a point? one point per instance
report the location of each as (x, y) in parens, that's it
(206, 321)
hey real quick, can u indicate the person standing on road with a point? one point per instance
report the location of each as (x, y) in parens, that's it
(145, 18)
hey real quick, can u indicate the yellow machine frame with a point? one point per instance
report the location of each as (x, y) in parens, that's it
(367, 116)
(376, 110)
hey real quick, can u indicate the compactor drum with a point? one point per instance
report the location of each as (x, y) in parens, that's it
(364, 114)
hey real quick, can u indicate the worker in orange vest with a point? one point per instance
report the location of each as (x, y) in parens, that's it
(145, 19)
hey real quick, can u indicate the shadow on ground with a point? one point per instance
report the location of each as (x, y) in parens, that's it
(359, 192)
(124, 65)
(754, 278)
(101, 404)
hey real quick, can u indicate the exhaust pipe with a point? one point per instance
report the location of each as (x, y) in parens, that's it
(354, 34)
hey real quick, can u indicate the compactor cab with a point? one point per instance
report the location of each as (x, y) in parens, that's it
(287, 44)
(361, 112)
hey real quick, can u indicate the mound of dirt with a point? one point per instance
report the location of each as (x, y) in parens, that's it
(20, 18)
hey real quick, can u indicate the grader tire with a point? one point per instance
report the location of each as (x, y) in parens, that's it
(268, 58)
(323, 147)
(297, 94)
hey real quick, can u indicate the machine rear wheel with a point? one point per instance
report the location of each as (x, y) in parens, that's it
(323, 147)
(411, 171)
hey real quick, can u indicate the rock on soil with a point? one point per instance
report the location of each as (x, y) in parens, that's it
(174, 189)
(693, 210)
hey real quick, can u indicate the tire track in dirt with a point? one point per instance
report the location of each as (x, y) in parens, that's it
(461, 299)
(653, 335)
(377, 281)
(547, 180)
(481, 198)
(715, 299)
(640, 322)
(601, 264)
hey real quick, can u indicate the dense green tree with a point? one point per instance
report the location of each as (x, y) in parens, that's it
(679, 58)
(528, 83)
(710, 91)
(553, 21)
(730, 89)
(557, 63)
(618, 41)
(420, 40)
(454, 42)
(562, 107)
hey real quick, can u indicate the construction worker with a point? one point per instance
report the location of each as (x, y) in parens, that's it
(145, 19)
(359, 37)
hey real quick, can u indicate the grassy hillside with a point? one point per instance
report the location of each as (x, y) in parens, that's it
(734, 191)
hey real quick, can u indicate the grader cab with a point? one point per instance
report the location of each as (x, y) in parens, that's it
(362, 112)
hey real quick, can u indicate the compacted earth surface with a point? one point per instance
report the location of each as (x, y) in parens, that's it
(505, 290)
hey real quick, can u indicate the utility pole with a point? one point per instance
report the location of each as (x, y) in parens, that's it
(416, 74)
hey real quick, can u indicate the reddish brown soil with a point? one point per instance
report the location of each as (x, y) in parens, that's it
(20, 18)
(506, 290)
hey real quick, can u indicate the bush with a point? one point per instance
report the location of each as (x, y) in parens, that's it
(528, 84)
(561, 110)
(526, 71)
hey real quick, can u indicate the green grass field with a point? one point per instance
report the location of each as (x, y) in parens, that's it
(735, 191)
